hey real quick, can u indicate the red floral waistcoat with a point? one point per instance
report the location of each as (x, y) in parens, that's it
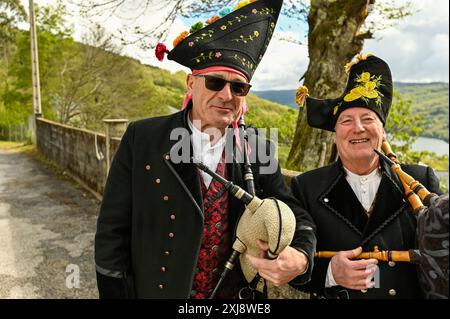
(216, 242)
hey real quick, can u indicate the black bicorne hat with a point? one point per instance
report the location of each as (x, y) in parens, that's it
(369, 85)
(237, 40)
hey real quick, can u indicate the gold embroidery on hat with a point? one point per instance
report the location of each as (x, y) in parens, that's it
(367, 89)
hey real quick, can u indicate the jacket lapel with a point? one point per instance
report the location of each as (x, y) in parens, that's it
(185, 172)
(350, 210)
(389, 203)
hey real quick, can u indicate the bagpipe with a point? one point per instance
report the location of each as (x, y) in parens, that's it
(431, 254)
(269, 220)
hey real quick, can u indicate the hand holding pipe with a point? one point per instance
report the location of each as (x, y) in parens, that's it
(269, 220)
(382, 255)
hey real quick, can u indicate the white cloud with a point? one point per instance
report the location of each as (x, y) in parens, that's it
(417, 49)
(282, 66)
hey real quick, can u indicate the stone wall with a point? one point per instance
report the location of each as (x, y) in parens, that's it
(74, 150)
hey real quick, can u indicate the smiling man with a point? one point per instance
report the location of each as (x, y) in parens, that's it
(165, 229)
(357, 203)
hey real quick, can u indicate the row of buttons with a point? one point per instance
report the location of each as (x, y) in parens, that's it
(172, 218)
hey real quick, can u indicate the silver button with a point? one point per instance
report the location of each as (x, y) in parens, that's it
(218, 225)
(326, 200)
(392, 292)
(364, 291)
(391, 264)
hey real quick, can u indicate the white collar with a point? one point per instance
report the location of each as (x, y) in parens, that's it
(202, 141)
(374, 175)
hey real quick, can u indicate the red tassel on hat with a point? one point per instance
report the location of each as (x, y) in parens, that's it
(160, 50)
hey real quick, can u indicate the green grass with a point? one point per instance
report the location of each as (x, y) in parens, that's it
(15, 146)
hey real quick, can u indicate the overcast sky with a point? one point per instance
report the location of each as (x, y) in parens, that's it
(417, 49)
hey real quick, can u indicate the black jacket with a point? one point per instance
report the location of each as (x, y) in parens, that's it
(342, 224)
(150, 224)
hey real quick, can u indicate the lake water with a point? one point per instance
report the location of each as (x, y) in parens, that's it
(440, 147)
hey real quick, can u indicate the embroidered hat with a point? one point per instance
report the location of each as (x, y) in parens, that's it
(237, 39)
(369, 85)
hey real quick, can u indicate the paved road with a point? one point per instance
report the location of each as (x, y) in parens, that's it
(47, 227)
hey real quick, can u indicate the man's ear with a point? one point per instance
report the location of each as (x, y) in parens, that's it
(190, 83)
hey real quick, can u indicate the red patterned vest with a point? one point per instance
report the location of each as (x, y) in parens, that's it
(216, 242)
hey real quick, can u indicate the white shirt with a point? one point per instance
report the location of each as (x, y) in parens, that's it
(365, 188)
(205, 152)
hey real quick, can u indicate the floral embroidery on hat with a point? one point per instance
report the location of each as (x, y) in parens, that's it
(367, 89)
(251, 37)
(209, 56)
(204, 35)
(245, 63)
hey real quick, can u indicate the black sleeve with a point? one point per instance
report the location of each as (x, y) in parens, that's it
(115, 288)
(112, 239)
(304, 237)
(295, 190)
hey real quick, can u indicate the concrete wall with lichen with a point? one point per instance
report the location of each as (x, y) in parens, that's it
(76, 151)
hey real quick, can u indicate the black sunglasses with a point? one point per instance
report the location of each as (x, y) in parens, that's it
(215, 83)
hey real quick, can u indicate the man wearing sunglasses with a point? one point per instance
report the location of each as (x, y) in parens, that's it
(165, 229)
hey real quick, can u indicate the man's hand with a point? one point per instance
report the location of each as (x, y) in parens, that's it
(289, 264)
(353, 274)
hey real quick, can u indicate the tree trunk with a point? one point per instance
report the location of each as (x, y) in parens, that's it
(333, 40)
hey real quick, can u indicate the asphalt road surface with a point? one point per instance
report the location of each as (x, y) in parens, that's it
(47, 227)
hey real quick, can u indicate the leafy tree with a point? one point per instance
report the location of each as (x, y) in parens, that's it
(53, 39)
(11, 14)
(403, 127)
